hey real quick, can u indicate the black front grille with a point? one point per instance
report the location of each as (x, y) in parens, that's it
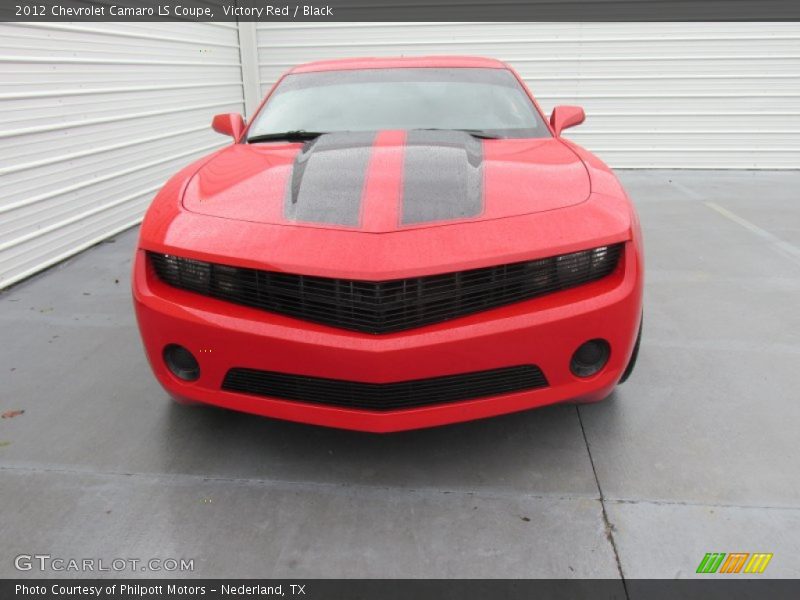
(385, 396)
(387, 306)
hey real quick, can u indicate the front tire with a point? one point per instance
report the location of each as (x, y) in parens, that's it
(634, 356)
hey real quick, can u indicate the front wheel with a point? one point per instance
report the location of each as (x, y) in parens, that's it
(634, 356)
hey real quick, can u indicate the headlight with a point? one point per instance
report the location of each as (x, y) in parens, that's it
(585, 265)
(167, 266)
(570, 267)
(185, 273)
(599, 258)
(195, 274)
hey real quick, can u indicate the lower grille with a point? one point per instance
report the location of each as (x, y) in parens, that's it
(385, 396)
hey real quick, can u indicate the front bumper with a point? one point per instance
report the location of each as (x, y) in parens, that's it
(544, 332)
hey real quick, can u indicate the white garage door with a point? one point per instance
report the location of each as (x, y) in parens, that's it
(684, 95)
(93, 119)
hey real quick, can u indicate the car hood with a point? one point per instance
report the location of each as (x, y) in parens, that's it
(387, 181)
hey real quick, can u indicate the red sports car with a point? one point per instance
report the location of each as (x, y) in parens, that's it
(392, 244)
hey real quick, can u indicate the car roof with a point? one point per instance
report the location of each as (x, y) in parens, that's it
(400, 62)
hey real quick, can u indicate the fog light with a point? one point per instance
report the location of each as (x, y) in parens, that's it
(589, 358)
(181, 362)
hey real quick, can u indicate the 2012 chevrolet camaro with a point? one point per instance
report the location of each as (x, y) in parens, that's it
(392, 244)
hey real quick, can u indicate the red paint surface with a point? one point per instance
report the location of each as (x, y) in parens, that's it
(249, 182)
(542, 197)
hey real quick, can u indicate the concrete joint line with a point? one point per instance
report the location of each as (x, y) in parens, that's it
(780, 246)
(607, 524)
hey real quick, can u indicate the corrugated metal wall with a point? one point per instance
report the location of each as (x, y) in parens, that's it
(94, 118)
(685, 95)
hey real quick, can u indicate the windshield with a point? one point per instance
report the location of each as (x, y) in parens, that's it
(486, 100)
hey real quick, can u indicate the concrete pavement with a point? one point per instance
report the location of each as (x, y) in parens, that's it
(696, 453)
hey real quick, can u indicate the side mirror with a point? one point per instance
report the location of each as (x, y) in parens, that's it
(564, 116)
(231, 124)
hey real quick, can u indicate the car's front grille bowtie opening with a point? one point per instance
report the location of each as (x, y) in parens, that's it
(387, 306)
(385, 396)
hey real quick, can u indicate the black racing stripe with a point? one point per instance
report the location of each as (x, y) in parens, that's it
(442, 176)
(327, 179)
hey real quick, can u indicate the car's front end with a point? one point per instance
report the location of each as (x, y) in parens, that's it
(315, 282)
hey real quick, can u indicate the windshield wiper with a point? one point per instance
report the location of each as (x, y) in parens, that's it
(297, 135)
(301, 135)
(476, 133)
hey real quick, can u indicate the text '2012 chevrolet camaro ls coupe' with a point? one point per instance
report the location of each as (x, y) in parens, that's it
(392, 244)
